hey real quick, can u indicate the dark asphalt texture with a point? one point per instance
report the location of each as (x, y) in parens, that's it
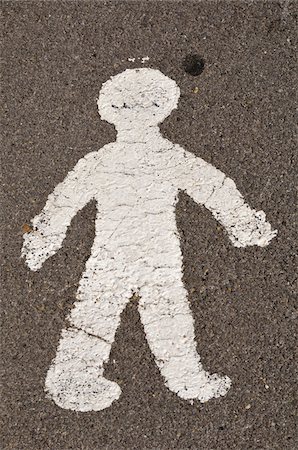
(237, 114)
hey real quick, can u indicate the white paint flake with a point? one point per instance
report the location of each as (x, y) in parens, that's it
(135, 182)
(145, 59)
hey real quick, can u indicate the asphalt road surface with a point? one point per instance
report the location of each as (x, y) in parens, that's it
(236, 112)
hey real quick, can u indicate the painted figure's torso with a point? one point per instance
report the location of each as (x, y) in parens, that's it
(135, 224)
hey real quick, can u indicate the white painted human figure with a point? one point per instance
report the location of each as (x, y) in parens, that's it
(135, 182)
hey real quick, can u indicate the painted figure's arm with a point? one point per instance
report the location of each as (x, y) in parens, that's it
(210, 187)
(49, 227)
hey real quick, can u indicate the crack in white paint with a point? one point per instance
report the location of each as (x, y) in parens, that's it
(135, 181)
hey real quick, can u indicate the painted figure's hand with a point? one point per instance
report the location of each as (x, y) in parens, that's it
(256, 231)
(35, 249)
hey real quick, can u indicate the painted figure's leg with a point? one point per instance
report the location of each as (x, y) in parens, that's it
(169, 328)
(75, 379)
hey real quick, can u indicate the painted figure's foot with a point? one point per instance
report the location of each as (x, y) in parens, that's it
(202, 387)
(214, 387)
(81, 393)
(75, 379)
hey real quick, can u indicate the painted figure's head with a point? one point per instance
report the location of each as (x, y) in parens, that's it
(137, 98)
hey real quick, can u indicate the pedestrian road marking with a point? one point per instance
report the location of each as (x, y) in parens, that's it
(136, 250)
